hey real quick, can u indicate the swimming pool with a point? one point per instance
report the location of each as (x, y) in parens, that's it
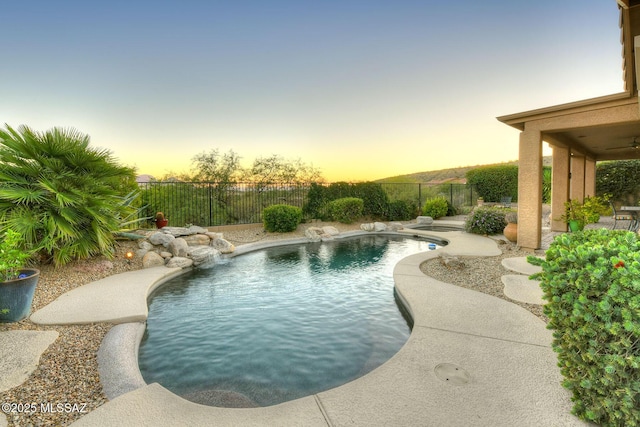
(277, 324)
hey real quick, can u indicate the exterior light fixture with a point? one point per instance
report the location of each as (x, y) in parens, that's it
(129, 256)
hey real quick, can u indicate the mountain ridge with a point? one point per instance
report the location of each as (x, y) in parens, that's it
(450, 175)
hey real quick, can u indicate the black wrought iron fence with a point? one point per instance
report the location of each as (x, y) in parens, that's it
(222, 203)
(457, 194)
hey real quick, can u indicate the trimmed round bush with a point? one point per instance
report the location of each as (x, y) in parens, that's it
(281, 218)
(590, 283)
(346, 210)
(435, 208)
(486, 221)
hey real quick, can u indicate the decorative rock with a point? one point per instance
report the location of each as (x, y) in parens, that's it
(152, 259)
(224, 246)
(145, 245)
(424, 220)
(203, 254)
(178, 247)
(367, 226)
(395, 226)
(197, 240)
(313, 233)
(160, 238)
(451, 261)
(165, 254)
(177, 231)
(379, 226)
(140, 253)
(213, 236)
(330, 230)
(195, 229)
(180, 262)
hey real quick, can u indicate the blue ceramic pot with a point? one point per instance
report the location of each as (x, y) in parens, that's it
(16, 296)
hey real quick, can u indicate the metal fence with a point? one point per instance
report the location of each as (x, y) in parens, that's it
(215, 203)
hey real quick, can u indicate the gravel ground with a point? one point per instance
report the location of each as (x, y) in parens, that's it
(481, 274)
(68, 369)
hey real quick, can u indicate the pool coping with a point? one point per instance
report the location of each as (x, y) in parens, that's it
(505, 371)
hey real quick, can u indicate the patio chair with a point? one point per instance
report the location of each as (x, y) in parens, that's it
(623, 216)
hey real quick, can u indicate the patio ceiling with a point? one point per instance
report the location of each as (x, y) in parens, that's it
(601, 128)
(614, 142)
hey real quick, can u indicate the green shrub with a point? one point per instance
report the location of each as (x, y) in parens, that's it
(436, 207)
(590, 282)
(401, 210)
(495, 182)
(374, 198)
(281, 218)
(346, 210)
(317, 199)
(619, 179)
(547, 175)
(63, 197)
(486, 221)
(451, 210)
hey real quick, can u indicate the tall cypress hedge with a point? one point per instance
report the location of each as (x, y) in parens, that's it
(495, 182)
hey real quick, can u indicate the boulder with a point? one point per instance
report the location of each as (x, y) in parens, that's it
(451, 261)
(165, 254)
(140, 253)
(152, 259)
(330, 230)
(395, 226)
(145, 245)
(203, 254)
(213, 235)
(160, 238)
(313, 233)
(195, 229)
(197, 240)
(177, 231)
(379, 226)
(369, 226)
(181, 262)
(424, 220)
(224, 246)
(178, 247)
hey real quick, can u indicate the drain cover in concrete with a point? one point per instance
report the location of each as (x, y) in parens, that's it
(520, 288)
(452, 374)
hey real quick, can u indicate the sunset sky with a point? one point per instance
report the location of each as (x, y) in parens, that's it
(359, 89)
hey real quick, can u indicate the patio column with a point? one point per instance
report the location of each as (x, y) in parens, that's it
(577, 177)
(530, 189)
(559, 186)
(589, 177)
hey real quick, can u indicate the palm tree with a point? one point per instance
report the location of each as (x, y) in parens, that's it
(62, 196)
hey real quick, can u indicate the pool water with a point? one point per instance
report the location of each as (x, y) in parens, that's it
(277, 324)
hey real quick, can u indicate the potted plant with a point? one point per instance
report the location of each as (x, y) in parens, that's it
(17, 284)
(511, 230)
(576, 215)
(161, 221)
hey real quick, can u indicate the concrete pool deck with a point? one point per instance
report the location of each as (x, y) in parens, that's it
(471, 359)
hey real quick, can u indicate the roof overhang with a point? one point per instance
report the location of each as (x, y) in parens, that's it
(601, 128)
